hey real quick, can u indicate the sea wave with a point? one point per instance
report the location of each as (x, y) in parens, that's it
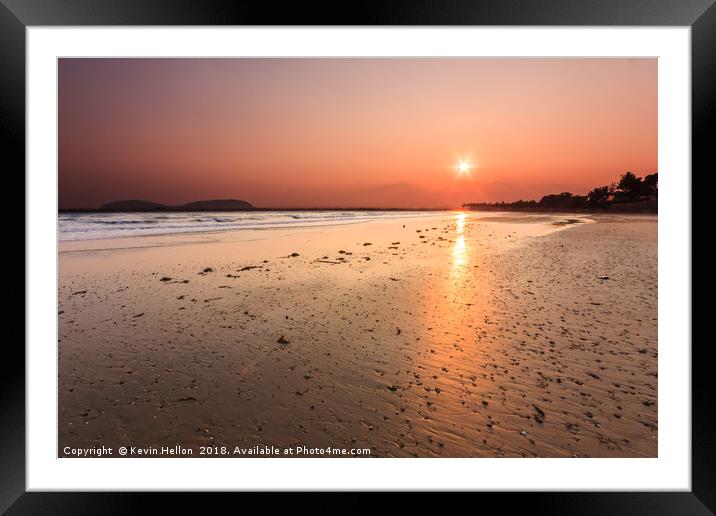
(93, 226)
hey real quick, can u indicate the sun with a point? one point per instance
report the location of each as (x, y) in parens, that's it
(463, 167)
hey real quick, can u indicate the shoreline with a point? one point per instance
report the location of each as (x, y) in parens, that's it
(270, 231)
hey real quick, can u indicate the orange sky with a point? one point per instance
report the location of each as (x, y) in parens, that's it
(350, 132)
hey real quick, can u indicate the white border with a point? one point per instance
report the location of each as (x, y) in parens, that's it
(671, 470)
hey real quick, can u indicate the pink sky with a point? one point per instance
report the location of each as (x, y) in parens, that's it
(350, 132)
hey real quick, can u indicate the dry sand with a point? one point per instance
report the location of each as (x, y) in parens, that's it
(453, 336)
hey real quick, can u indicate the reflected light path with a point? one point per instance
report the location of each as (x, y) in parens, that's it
(456, 346)
(460, 222)
(460, 255)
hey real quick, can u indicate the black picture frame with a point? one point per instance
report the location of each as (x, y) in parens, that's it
(17, 15)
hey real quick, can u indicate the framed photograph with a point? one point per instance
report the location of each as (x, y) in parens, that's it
(420, 249)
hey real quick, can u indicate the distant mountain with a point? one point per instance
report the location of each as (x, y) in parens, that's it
(212, 205)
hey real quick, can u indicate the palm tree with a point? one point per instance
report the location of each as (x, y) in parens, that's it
(630, 185)
(651, 184)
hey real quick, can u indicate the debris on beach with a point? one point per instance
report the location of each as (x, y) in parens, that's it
(282, 340)
(168, 280)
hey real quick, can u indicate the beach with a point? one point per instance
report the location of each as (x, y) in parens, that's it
(443, 334)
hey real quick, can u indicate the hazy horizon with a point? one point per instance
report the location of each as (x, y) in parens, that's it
(357, 133)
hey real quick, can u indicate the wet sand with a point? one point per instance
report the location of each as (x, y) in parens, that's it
(448, 336)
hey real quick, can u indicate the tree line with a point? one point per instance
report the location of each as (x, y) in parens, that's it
(629, 189)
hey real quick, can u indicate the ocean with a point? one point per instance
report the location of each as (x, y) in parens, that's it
(94, 226)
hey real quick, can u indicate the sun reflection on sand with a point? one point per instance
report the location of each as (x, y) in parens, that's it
(453, 350)
(460, 222)
(460, 255)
